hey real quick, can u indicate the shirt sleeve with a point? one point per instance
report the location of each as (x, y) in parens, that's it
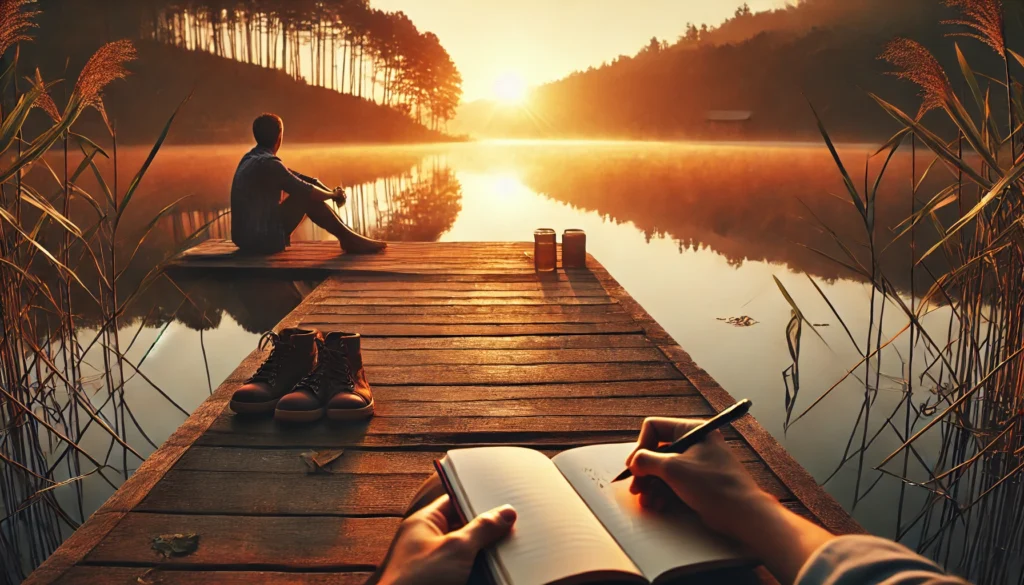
(288, 181)
(868, 560)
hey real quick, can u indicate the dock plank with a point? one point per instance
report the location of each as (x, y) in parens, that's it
(510, 357)
(450, 374)
(537, 391)
(510, 342)
(94, 575)
(254, 542)
(465, 345)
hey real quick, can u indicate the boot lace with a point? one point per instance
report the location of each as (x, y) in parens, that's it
(268, 370)
(332, 365)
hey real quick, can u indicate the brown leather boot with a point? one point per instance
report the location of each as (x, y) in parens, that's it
(336, 386)
(293, 354)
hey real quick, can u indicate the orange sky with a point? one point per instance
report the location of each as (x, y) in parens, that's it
(544, 40)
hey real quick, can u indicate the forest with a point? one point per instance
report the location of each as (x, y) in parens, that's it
(342, 57)
(768, 65)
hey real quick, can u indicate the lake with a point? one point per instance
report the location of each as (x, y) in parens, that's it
(695, 232)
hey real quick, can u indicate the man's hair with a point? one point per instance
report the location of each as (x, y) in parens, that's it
(267, 129)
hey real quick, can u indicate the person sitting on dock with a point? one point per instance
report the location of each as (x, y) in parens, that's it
(710, 479)
(260, 221)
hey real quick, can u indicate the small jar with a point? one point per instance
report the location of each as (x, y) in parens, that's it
(574, 249)
(545, 255)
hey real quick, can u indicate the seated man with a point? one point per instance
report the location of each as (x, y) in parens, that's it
(260, 221)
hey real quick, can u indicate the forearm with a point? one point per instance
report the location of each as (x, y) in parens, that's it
(319, 194)
(780, 539)
(311, 180)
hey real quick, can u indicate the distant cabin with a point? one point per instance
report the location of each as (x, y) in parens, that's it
(728, 123)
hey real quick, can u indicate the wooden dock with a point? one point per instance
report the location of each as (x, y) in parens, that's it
(464, 345)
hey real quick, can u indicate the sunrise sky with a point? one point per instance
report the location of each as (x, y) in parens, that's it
(499, 44)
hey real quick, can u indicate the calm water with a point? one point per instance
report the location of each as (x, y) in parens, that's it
(695, 233)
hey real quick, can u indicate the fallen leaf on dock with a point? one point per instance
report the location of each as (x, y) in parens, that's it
(744, 321)
(176, 545)
(320, 461)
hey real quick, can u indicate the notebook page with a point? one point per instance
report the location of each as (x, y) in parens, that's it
(657, 542)
(555, 536)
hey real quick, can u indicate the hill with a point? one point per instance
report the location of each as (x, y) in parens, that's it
(765, 67)
(226, 96)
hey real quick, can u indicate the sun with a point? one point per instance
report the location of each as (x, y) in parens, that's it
(510, 88)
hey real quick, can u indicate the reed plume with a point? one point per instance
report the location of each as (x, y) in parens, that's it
(15, 22)
(45, 102)
(105, 66)
(916, 64)
(984, 18)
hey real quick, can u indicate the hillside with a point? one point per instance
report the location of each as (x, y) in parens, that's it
(768, 65)
(227, 95)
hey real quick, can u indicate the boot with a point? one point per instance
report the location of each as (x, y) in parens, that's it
(292, 355)
(337, 386)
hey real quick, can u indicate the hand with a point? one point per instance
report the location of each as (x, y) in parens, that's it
(339, 196)
(427, 551)
(707, 477)
(712, 481)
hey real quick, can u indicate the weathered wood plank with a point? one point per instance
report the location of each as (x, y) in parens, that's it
(254, 493)
(393, 284)
(509, 342)
(388, 330)
(538, 391)
(582, 407)
(518, 357)
(442, 432)
(561, 292)
(351, 461)
(427, 301)
(98, 575)
(469, 309)
(516, 374)
(254, 542)
(328, 316)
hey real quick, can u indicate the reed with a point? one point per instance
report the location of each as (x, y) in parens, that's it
(958, 423)
(63, 413)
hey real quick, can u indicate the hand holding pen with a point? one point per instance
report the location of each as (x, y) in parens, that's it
(698, 433)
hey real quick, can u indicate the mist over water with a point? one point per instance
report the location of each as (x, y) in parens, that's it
(695, 232)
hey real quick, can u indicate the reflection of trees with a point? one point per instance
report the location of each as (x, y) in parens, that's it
(425, 210)
(257, 304)
(746, 203)
(417, 206)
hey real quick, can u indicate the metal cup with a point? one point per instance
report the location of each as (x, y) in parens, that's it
(545, 255)
(574, 249)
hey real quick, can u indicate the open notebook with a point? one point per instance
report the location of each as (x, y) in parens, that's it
(574, 525)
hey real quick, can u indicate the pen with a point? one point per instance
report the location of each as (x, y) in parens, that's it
(727, 416)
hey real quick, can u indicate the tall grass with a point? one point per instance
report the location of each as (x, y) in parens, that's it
(958, 424)
(63, 412)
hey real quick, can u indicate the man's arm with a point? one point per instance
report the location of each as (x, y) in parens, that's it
(311, 180)
(293, 184)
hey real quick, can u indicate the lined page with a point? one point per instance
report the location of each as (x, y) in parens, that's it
(656, 542)
(555, 537)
